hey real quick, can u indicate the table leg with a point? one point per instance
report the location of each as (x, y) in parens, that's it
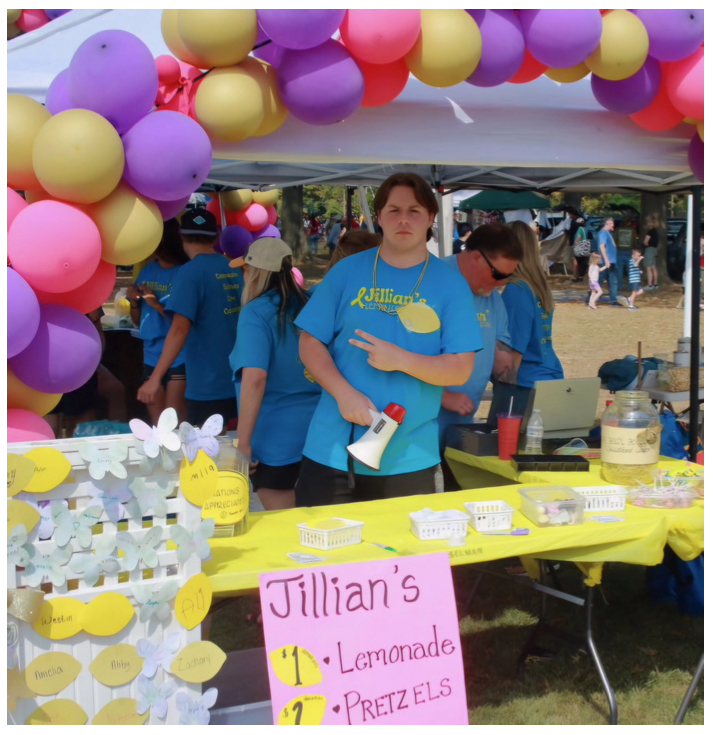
(613, 707)
(688, 696)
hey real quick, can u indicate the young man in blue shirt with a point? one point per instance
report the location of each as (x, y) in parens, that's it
(391, 325)
(203, 305)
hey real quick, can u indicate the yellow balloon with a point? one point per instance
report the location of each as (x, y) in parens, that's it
(20, 395)
(25, 117)
(699, 128)
(13, 16)
(229, 104)
(169, 30)
(218, 37)
(447, 50)
(622, 49)
(130, 225)
(13, 31)
(275, 112)
(78, 156)
(266, 198)
(237, 199)
(567, 76)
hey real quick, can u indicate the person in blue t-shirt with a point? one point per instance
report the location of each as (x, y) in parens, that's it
(387, 326)
(277, 398)
(491, 254)
(530, 307)
(608, 250)
(147, 298)
(203, 305)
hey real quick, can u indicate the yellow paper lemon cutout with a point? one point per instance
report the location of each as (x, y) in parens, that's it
(117, 665)
(21, 512)
(59, 618)
(193, 601)
(295, 666)
(52, 672)
(198, 479)
(419, 318)
(120, 712)
(305, 710)
(51, 469)
(107, 614)
(198, 662)
(58, 712)
(230, 500)
(17, 688)
(20, 470)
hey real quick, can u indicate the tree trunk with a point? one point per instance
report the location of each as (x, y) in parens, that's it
(293, 232)
(655, 204)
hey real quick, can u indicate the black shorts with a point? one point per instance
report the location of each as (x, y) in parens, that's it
(322, 485)
(175, 373)
(199, 411)
(273, 477)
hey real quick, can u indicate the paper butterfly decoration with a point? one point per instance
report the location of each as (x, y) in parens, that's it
(155, 655)
(45, 528)
(204, 438)
(195, 542)
(153, 496)
(196, 712)
(154, 697)
(71, 524)
(154, 602)
(101, 560)
(112, 494)
(47, 566)
(17, 553)
(136, 551)
(102, 461)
(13, 643)
(155, 437)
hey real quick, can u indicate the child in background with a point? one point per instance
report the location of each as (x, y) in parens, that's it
(634, 277)
(596, 289)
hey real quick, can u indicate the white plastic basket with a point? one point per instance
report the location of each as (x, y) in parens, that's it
(604, 497)
(332, 538)
(439, 528)
(490, 515)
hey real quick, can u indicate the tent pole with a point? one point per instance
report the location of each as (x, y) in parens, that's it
(688, 271)
(695, 322)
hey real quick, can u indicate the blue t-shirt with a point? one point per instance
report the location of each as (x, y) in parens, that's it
(153, 327)
(607, 240)
(531, 335)
(346, 301)
(290, 398)
(207, 291)
(493, 321)
(634, 272)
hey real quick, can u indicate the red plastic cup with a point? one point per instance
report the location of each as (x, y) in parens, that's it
(508, 434)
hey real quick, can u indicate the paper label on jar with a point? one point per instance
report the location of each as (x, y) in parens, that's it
(229, 503)
(631, 446)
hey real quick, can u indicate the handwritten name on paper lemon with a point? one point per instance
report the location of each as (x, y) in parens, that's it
(198, 662)
(20, 471)
(120, 712)
(52, 672)
(58, 712)
(230, 500)
(117, 665)
(193, 601)
(198, 479)
(51, 469)
(59, 618)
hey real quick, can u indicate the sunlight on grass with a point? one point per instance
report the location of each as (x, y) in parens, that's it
(510, 618)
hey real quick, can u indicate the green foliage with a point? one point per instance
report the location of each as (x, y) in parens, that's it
(328, 201)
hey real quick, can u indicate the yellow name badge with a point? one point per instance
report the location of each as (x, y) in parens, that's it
(306, 710)
(198, 662)
(117, 665)
(295, 666)
(198, 479)
(419, 318)
(59, 618)
(20, 470)
(193, 601)
(230, 500)
(51, 672)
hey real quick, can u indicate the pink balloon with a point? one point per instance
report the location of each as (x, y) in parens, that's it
(660, 114)
(684, 84)
(169, 70)
(253, 218)
(170, 209)
(380, 36)
(299, 278)
(271, 214)
(90, 295)
(15, 205)
(25, 426)
(31, 20)
(383, 83)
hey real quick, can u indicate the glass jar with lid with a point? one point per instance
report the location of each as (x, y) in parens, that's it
(631, 439)
(230, 503)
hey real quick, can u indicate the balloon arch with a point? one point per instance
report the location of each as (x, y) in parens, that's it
(125, 139)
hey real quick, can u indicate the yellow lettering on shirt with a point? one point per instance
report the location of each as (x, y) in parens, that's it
(231, 311)
(383, 299)
(227, 275)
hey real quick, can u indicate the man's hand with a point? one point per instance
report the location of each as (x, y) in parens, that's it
(133, 294)
(147, 392)
(354, 407)
(383, 355)
(457, 402)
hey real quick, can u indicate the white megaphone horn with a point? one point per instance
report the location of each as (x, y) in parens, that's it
(371, 446)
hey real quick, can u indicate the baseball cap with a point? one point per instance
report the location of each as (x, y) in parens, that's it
(266, 253)
(198, 221)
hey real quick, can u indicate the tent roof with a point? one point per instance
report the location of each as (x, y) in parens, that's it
(505, 200)
(542, 135)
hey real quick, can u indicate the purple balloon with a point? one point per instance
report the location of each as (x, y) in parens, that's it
(64, 353)
(300, 29)
(561, 38)
(321, 85)
(261, 35)
(673, 34)
(267, 231)
(235, 241)
(168, 156)
(218, 249)
(695, 159)
(114, 74)
(52, 14)
(272, 53)
(630, 95)
(170, 209)
(23, 313)
(57, 98)
(503, 47)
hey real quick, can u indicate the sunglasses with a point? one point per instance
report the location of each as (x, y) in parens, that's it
(497, 275)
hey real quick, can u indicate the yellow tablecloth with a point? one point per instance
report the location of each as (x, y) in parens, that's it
(237, 562)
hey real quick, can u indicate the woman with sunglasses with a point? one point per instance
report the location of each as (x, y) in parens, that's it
(530, 307)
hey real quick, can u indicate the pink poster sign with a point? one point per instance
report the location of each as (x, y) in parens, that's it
(371, 643)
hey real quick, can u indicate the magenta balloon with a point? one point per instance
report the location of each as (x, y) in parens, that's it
(235, 241)
(503, 47)
(170, 209)
(267, 231)
(23, 313)
(321, 85)
(561, 38)
(272, 53)
(15, 205)
(695, 157)
(300, 29)
(52, 14)
(57, 98)
(64, 353)
(168, 156)
(113, 73)
(632, 94)
(25, 426)
(673, 34)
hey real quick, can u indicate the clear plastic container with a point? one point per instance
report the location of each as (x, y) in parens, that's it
(631, 439)
(645, 498)
(552, 506)
(233, 472)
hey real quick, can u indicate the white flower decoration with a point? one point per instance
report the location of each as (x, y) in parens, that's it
(154, 602)
(136, 551)
(195, 542)
(105, 460)
(204, 438)
(17, 553)
(196, 712)
(71, 524)
(101, 560)
(48, 567)
(153, 496)
(155, 655)
(153, 697)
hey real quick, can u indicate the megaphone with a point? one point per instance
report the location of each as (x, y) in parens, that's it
(371, 446)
